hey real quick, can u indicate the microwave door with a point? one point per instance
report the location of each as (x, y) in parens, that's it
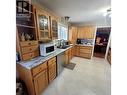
(49, 49)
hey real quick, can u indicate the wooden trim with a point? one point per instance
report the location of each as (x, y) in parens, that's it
(42, 13)
(26, 76)
(35, 23)
(18, 48)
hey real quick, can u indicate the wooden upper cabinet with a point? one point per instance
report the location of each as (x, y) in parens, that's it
(81, 32)
(91, 33)
(26, 35)
(87, 32)
(72, 34)
(43, 25)
(54, 27)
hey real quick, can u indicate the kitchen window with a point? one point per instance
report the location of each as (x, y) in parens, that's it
(62, 32)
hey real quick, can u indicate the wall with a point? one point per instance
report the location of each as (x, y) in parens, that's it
(109, 45)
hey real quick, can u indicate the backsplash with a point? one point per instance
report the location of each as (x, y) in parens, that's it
(87, 41)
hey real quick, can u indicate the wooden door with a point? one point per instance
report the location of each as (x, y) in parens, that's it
(40, 82)
(70, 54)
(87, 32)
(54, 27)
(73, 51)
(52, 71)
(80, 32)
(67, 56)
(77, 50)
(90, 32)
(43, 24)
(73, 34)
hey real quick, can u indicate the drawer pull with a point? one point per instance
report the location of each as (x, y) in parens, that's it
(30, 49)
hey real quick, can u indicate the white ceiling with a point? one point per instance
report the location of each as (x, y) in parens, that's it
(89, 12)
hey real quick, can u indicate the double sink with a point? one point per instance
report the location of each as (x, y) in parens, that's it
(63, 47)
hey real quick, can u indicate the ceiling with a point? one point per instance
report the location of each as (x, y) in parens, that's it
(81, 12)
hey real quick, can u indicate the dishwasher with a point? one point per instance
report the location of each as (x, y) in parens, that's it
(60, 62)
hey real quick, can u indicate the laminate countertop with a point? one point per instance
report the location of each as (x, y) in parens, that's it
(39, 60)
(84, 45)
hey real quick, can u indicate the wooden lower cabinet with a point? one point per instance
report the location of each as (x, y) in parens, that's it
(52, 69)
(77, 50)
(84, 51)
(85, 55)
(67, 56)
(38, 78)
(70, 54)
(40, 82)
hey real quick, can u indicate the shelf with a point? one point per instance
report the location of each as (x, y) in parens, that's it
(25, 10)
(25, 26)
(27, 41)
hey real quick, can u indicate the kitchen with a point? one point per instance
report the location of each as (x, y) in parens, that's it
(48, 44)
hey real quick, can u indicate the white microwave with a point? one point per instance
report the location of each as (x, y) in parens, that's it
(46, 49)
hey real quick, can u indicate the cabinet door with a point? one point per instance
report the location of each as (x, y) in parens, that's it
(77, 50)
(70, 54)
(90, 32)
(86, 32)
(67, 56)
(52, 71)
(72, 51)
(73, 34)
(81, 32)
(40, 82)
(54, 27)
(43, 25)
(85, 51)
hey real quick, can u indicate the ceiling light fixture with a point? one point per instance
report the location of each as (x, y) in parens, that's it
(66, 18)
(107, 13)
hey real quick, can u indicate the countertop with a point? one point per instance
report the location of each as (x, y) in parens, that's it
(84, 45)
(39, 60)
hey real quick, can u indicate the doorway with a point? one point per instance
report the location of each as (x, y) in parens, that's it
(101, 41)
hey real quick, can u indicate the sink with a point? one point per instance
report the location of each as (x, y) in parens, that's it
(63, 47)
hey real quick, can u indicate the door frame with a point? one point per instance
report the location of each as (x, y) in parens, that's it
(109, 39)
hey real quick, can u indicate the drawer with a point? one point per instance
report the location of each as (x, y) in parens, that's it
(31, 55)
(86, 47)
(29, 49)
(28, 43)
(82, 50)
(51, 64)
(39, 68)
(86, 55)
(52, 61)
